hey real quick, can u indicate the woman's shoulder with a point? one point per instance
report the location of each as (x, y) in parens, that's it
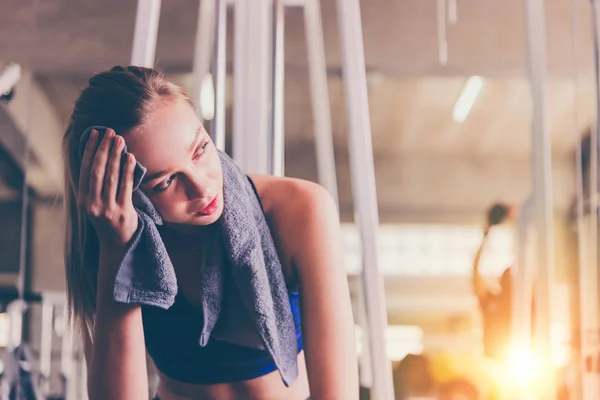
(300, 213)
(283, 196)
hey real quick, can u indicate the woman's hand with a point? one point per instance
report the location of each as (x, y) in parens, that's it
(117, 362)
(104, 196)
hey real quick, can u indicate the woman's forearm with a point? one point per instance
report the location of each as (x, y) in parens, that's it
(118, 365)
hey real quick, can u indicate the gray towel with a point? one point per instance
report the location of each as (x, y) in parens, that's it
(260, 302)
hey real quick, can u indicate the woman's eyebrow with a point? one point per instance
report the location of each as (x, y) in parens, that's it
(196, 138)
(163, 172)
(155, 175)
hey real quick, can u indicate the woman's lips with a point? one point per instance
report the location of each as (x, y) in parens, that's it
(211, 207)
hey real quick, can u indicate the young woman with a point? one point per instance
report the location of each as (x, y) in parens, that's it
(184, 183)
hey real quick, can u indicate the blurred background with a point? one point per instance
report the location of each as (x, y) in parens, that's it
(451, 137)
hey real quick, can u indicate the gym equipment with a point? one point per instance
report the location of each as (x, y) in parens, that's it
(535, 213)
(589, 277)
(364, 190)
(25, 376)
(542, 180)
(146, 31)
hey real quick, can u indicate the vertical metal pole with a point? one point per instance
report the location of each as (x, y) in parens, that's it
(542, 181)
(588, 292)
(82, 388)
(146, 31)
(278, 135)
(66, 363)
(363, 185)
(46, 344)
(239, 84)
(452, 12)
(319, 91)
(588, 381)
(202, 50)
(441, 32)
(523, 282)
(594, 379)
(588, 315)
(11, 370)
(364, 360)
(15, 311)
(589, 277)
(594, 134)
(220, 75)
(252, 85)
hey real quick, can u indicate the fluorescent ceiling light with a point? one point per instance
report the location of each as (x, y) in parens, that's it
(467, 98)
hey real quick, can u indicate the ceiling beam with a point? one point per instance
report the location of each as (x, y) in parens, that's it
(34, 117)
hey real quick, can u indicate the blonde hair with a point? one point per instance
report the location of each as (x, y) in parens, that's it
(121, 99)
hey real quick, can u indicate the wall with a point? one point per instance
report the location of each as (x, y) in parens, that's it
(429, 187)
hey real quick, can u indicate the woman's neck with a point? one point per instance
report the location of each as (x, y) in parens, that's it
(188, 234)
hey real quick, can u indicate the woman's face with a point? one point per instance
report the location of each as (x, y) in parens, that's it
(183, 179)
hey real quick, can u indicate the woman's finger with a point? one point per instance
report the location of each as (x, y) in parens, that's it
(99, 164)
(86, 162)
(113, 169)
(126, 188)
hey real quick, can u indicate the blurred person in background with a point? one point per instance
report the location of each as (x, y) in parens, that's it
(495, 305)
(458, 389)
(413, 377)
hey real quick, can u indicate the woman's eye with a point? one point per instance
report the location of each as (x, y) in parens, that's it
(164, 185)
(200, 149)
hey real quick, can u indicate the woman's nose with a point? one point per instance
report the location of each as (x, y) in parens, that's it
(197, 186)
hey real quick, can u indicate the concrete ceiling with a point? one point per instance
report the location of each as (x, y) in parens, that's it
(400, 36)
(427, 166)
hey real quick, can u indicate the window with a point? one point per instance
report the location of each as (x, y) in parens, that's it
(400, 341)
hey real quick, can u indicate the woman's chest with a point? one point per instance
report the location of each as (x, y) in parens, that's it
(190, 263)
